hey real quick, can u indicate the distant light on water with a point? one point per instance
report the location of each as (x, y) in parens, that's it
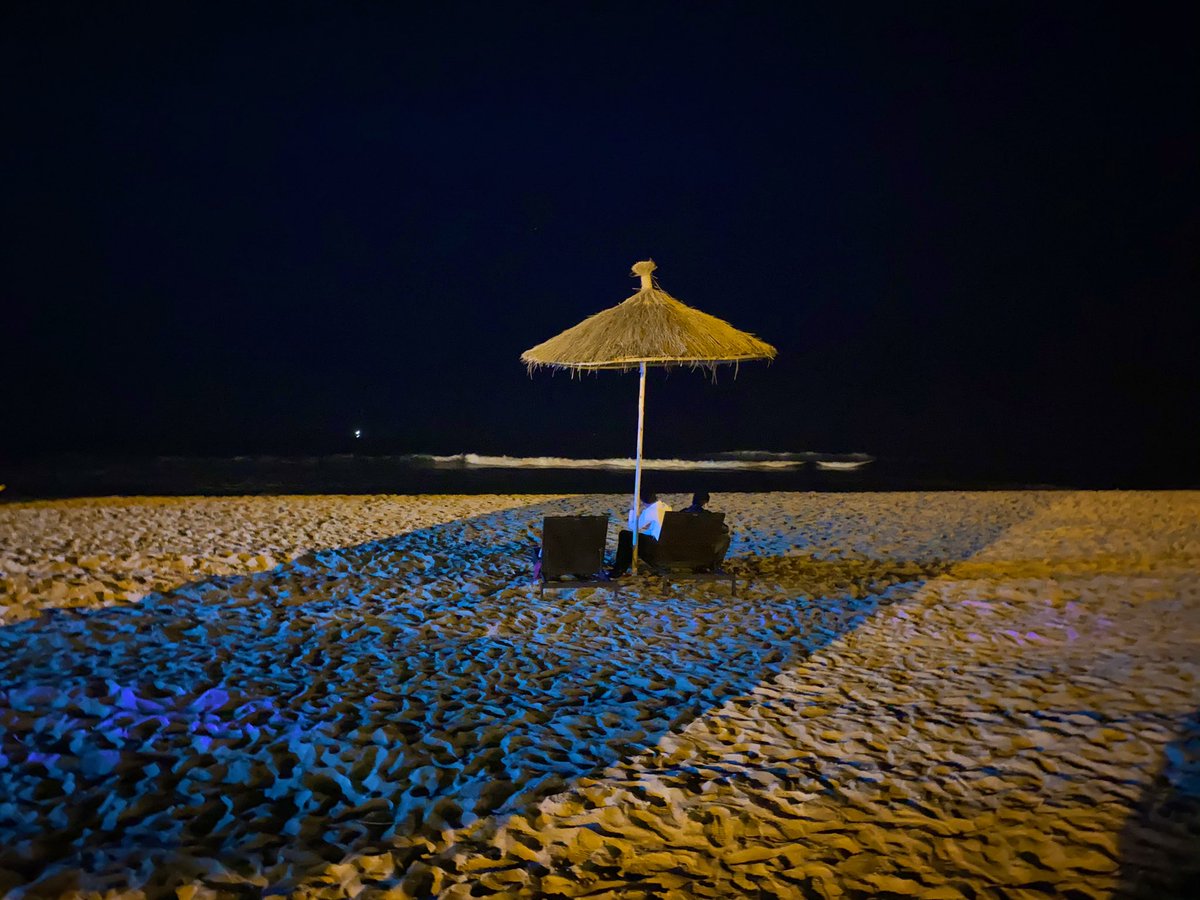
(358, 432)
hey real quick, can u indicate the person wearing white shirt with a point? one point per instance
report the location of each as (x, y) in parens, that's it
(649, 527)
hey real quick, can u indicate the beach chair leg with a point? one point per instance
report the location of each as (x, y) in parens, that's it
(732, 586)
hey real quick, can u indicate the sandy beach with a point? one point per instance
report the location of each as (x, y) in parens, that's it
(936, 695)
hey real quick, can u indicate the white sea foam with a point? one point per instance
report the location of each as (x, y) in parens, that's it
(479, 460)
(731, 460)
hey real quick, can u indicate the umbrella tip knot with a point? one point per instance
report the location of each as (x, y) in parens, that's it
(643, 269)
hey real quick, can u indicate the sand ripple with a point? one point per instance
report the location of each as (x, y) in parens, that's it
(916, 695)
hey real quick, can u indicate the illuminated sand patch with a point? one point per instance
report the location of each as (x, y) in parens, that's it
(405, 715)
(102, 552)
(995, 730)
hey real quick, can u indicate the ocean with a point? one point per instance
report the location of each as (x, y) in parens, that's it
(470, 473)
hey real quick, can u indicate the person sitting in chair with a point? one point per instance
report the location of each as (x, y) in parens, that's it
(721, 546)
(649, 527)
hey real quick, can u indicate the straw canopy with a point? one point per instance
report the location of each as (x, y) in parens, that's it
(651, 327)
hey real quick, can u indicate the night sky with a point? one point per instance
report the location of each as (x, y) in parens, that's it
(972, 230)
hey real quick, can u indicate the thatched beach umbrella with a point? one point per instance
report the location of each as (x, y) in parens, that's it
(651, 328)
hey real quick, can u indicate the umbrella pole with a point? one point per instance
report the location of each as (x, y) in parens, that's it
(637, 468)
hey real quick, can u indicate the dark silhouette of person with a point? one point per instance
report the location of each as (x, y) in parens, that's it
(721, 545)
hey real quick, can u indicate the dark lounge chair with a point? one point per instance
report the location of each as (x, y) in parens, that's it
(573, 552)
(687, 548)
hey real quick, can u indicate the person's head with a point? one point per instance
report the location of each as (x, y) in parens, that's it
(647, 495)
(700, 499)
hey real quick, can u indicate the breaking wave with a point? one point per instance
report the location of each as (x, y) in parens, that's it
(735, 460)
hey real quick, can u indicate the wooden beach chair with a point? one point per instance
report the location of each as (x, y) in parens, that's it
(573, 553)
(687, 549)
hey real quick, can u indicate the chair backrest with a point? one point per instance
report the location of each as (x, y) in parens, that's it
(689, 540)
(573, 545)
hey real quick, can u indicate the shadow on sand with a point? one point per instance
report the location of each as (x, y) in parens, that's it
(249, 731)
(1160, 844)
